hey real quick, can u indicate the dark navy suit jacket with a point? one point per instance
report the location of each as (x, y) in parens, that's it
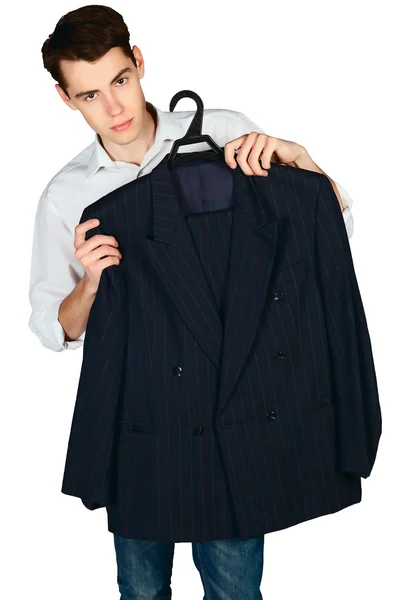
(188, 429)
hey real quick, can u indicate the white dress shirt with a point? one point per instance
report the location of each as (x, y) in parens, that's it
(55, 270)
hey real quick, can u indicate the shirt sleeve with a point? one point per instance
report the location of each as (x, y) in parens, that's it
(55, 271)
(245, 125)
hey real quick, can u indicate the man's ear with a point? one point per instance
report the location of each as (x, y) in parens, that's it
(64, 96)
(139, 61)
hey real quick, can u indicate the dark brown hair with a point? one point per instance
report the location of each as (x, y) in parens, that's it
(86, 33)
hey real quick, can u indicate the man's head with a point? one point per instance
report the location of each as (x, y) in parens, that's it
(97, 71)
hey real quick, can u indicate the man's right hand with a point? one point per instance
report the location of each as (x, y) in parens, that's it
(90, 252)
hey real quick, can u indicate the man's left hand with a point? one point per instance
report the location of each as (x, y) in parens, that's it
(260, 147)
(255, 147)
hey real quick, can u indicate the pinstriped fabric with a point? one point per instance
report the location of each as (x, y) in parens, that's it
(193, 424)
(206, 228)
(95, 417)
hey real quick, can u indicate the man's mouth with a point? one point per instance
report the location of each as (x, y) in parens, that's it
(122, 126)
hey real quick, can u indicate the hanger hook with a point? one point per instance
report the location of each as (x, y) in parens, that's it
(196, 125)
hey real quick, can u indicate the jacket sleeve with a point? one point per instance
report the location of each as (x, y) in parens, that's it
(89, 465)
(354, 385)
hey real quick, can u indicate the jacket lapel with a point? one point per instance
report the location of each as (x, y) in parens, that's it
(174, 257)
(254, 235)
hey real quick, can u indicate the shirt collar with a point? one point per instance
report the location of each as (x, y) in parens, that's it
(169, 127)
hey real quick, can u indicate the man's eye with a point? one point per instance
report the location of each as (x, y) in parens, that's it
(122, 79)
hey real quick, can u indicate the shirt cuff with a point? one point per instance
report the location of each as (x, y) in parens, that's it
(51, 332)
(348, 221)
(347, 214)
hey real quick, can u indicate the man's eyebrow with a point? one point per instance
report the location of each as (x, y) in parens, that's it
(118, 75)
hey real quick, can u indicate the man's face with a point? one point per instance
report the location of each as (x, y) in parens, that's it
(114, 102)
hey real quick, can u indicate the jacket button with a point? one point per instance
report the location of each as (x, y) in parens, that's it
(178, 370)
(279, 355)
(271, 415)
(278, 295)
(198, 430)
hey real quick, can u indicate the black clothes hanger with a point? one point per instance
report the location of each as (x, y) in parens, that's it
(193, 135)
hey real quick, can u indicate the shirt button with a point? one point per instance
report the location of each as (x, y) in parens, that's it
(178, 370)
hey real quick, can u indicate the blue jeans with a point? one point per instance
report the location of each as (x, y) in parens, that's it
(229, 569)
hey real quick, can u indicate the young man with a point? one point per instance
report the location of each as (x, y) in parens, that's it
(98, 74)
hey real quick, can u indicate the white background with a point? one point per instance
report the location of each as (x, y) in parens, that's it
(323, 74)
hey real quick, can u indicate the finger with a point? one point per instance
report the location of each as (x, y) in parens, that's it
(268, 153)
(82, 228)
(230, 148)
(244, 153)
(99, 253)
(94, 242)
(99, 265)
(274, 158)
(259, 149)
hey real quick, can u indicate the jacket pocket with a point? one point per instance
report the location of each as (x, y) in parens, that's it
(137, 427)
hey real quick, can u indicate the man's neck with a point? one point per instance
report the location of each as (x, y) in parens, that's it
(135, 152)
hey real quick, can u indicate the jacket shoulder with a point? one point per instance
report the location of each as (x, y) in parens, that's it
(105, 205)
(295, 176)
